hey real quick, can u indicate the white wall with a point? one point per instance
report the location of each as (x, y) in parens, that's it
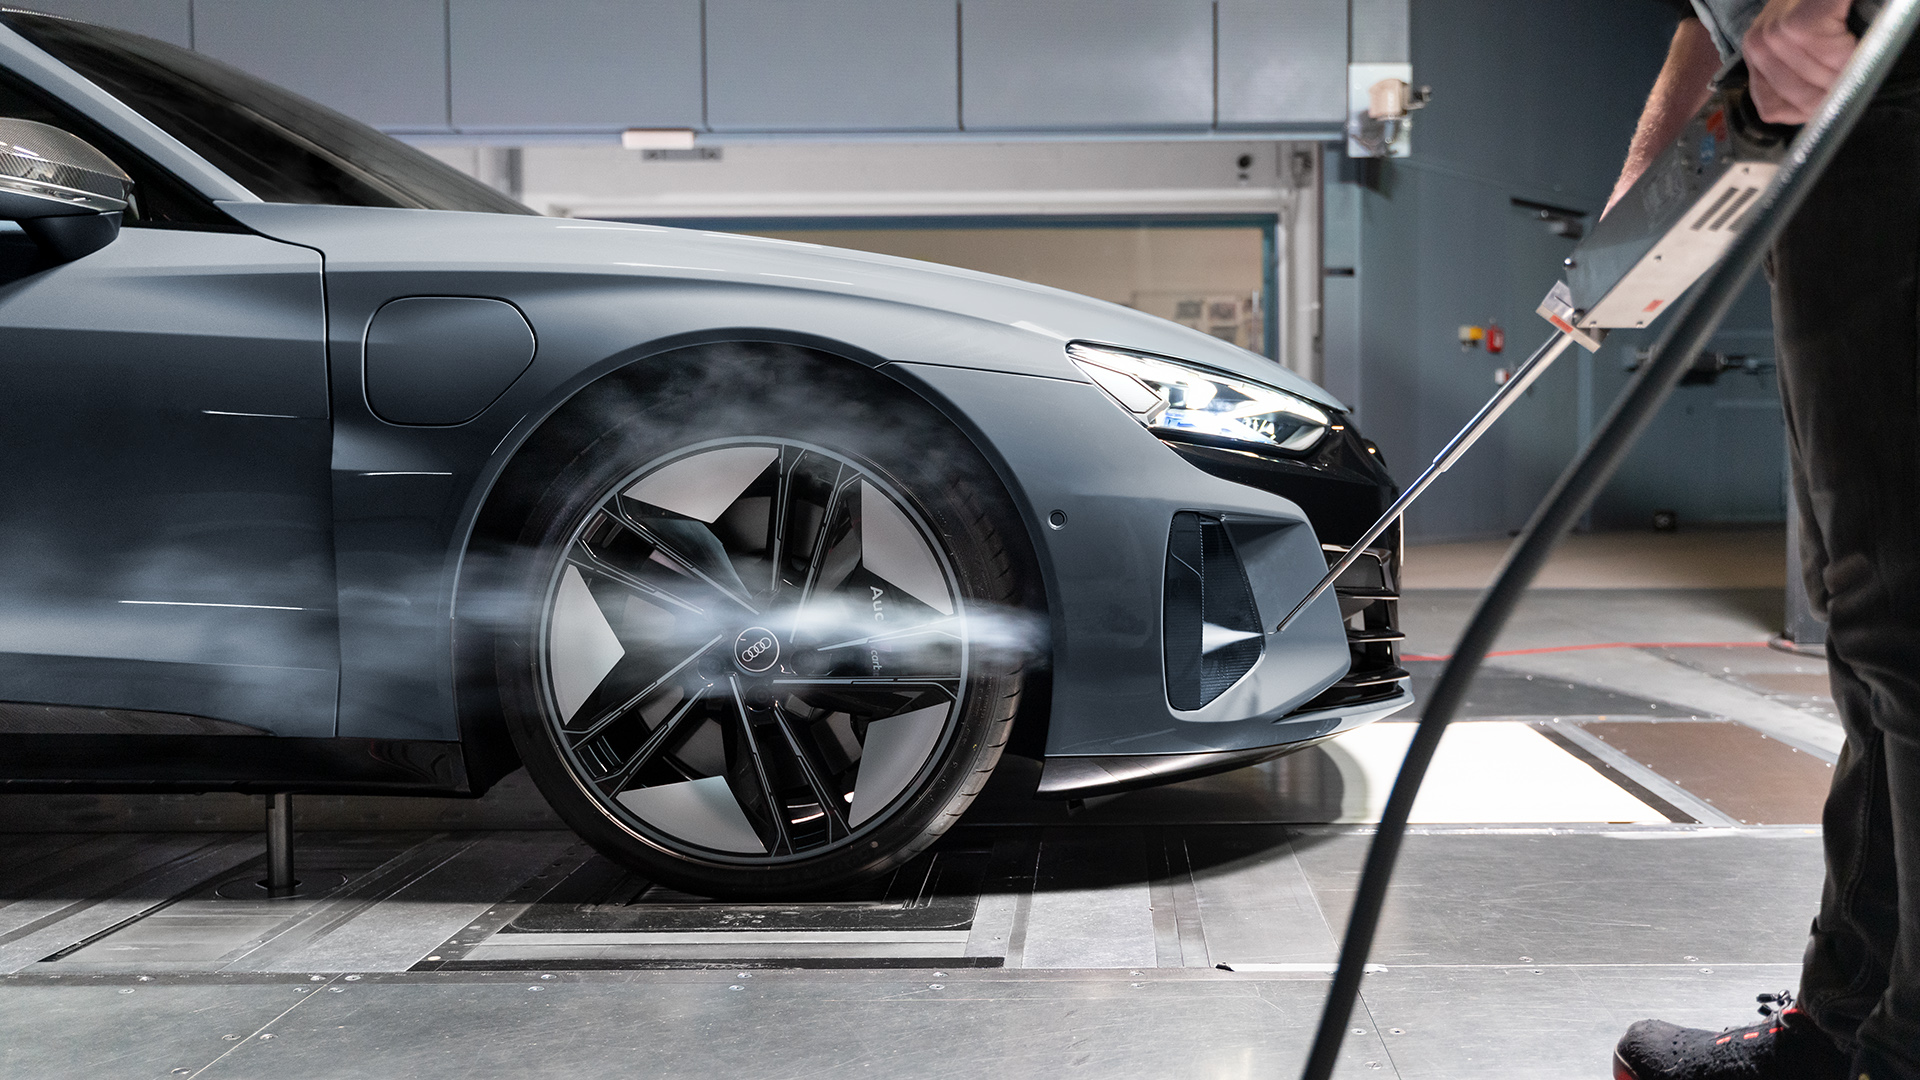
(837, 180)
(891, 179)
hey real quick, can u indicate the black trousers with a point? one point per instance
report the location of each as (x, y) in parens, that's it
(1846, 280)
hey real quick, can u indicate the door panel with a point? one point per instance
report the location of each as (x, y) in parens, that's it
(165, 509)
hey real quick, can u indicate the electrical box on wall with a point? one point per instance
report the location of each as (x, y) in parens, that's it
(1380, 101)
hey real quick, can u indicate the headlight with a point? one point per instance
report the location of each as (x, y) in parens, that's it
(1165, 395)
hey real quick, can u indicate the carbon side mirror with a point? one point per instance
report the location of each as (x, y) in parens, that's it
(66, 196)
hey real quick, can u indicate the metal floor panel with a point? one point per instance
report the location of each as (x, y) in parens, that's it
(1548, 1023)
(1747, 776)
(1033, 940)
(1659, 895)
(1515, 952)
(1498, 692)
(667, 1025)
(1256, 904)
(147, 880)
(406, 924)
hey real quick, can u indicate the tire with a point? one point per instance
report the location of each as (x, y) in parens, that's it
(747, 661)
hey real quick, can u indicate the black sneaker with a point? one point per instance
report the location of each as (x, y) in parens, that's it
(1783, 1046)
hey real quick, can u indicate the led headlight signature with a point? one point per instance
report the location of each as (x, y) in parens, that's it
(1165, 395)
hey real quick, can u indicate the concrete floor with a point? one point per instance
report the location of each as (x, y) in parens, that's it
(1613, 878)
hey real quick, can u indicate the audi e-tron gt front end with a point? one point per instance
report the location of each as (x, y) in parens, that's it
(331, 469)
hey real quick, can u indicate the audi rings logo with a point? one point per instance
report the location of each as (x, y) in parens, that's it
(756, 649)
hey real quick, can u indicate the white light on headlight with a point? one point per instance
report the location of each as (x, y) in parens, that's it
(1169, 396)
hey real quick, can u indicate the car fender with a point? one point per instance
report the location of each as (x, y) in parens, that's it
(407, 497)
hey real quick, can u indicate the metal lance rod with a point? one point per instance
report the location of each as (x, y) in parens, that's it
(1529, 373)
(280, 880)
(1693, 325)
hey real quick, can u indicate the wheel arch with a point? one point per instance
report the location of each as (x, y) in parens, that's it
(547, 440)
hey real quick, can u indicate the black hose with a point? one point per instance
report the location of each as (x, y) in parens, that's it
(1574, 491)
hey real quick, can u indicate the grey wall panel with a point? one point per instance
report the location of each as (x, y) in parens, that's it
(169, 20)
(381, 61)
(1507, 110)
(857, 65)
(580, 65)
(1087, 64)
(1382, 34)
(1440, 245)
(1282, 61)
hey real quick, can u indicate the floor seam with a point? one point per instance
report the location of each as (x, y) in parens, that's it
(119, 889)
(374, 882)
(257, 1032)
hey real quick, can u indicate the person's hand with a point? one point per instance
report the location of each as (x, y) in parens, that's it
(1795, 50)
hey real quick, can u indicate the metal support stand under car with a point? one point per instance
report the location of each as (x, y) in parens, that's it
(280, 881)
(1712, 204)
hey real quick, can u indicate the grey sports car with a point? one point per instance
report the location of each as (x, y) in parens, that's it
(328, 468)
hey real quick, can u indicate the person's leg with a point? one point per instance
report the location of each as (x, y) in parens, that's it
(1847, 315)
(1851, 945)
(1847, 321)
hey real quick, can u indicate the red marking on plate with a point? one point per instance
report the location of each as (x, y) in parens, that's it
(1651, 306)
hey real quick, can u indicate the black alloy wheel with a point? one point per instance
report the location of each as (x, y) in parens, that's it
(755, 665)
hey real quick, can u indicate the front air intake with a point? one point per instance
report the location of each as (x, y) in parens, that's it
(1212, 630)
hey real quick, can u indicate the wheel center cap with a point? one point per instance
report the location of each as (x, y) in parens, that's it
(756, 650)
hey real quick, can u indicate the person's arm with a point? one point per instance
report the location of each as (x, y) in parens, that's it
(1795, 50)
(1684, 84)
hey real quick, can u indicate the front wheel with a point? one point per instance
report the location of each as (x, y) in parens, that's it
(750, 665)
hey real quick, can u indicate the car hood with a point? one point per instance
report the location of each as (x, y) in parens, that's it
(420, 239)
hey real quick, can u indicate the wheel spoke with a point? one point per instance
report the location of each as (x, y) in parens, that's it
(777, 520)
(776, 810)
(871, 698)
(892, 753)
(589, 562)
(600, 723)
(944, 627)
(948, 686)
(824, 792)
(670, 728)
(666, 548)
(820, 548)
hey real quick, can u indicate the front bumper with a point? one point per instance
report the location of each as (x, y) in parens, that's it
(1343, 486)
(1061, 447)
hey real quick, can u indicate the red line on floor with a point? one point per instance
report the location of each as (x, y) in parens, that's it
(1611, 645)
